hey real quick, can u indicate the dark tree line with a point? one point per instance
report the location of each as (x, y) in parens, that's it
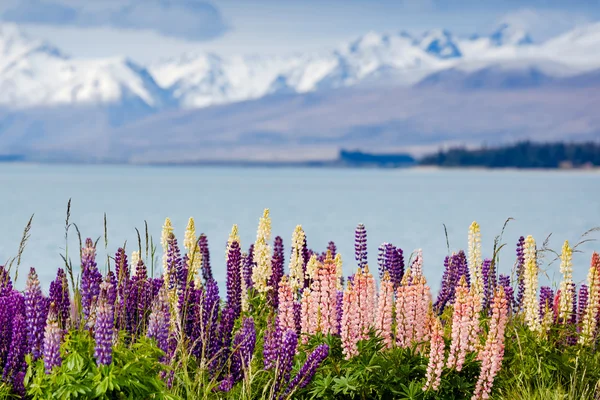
(520, 155)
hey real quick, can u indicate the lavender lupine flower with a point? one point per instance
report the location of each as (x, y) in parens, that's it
(285, 359)
(546, 300)
(243, 348)
(158, 324)
(59, 295)
(271, 344)
(206, 270)
(234, 278)
(583, 300)
(360, 246)
(504, 281)
(247, 266)
(381, 260)
(91, 278)
(35, 314)
(52, 339)
(15, 360)
(332, 248)
(104, 327)
(520, 265)
(308, 370)
(277, 263)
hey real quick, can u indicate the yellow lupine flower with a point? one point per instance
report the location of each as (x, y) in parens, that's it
(233, 237)
(530, 278)
(166, 231)
(297, 260)
(262, 254)
(189, 240)
(475, 262)
(338, 270)
(135, 258)
(566, 285)
(312, 266)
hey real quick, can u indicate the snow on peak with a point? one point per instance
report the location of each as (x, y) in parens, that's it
(509, 34)
(440, 43)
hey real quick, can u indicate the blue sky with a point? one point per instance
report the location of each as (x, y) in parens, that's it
(151, 29)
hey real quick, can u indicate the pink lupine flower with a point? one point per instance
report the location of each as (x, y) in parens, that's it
(305, 317)
(327, 278)
(493, 351)
(413, 302)
(383, 322)
(285, 312)
(436, 357)
(350, 326)
(461, 326)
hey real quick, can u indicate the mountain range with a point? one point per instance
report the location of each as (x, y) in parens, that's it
(381, 91)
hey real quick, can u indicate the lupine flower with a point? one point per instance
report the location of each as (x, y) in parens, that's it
(493, 351)
(412, 309)
(546, 307)
(285, 313)
(205, 257)
(158, 324)
(436, 357)
(350, 324)
(52, 340)
(277, 263)
(360, 246)
(339, 310)
(104, 328)
(338, 270)
(385, 307)
(396, 260)
(590, 320)
(530, 280)
(285, 359)
(520, 266)
(417, 265)
(35, 314)
(246, 273)
(59, 295)
(381, 259)
(90, 278)
(297, 260)
(447, 286)
(332, 248)
(243, 345)
(504, 281)
(234, 278)
(15, 360)
(5, 282)
(271, 345)
(582, 303)
(262, 254)
(123, 276)
(566, 285)
(210, 315)
(308, 369)
(189, 238)
(475, 262)
(311, 267)
(309, 308)
(462, 320)
(489, 281)
(167, 230)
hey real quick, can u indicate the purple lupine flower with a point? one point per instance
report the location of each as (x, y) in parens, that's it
(220, 353)
(243, 348)
(247, 266)
(520, 266)
(332, 248)
(285, 359)
(360, 246)
(381, 261)
(138, 299)
(234, 278)
(504, 281)
(298, 316)
(59, 295)
(5, 282)
(488, 279)
(158, 324)
(271, 344)
(583, 300)
(305, 251)
(308, 370)
(462, 268)
(6, 315)
(104, 327)
(156, 285)
(52, 339)
(546, 300)
(573, 318)
(18, 384)
(277, 263)
(194, 327)
(91, 278)
(206, 270)
(397, 266)
(15, 360)
(446, 286)
(112, 292)
(123, 276)
(35, 314)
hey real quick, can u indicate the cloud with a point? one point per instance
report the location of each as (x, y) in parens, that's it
(187, 19)
(544, 24)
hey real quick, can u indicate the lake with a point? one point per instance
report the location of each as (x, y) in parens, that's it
(407, 207)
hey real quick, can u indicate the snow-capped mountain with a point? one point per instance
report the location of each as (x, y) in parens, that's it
(34, 73)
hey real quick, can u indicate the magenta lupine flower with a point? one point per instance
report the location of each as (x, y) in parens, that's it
(206, 270)
(247, 266)
(285, 360)
(104, 327)
(277, 263)
(91, 278)
(520, 265)
(158, 324)
(35, 314)
(234, 278)
(15, 360)
(52, 339)
(59, 295)
(308, 370)
(360, 246)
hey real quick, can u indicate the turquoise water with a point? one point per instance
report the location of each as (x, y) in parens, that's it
(405, 207)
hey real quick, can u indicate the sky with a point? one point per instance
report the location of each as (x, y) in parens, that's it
(148, 30)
